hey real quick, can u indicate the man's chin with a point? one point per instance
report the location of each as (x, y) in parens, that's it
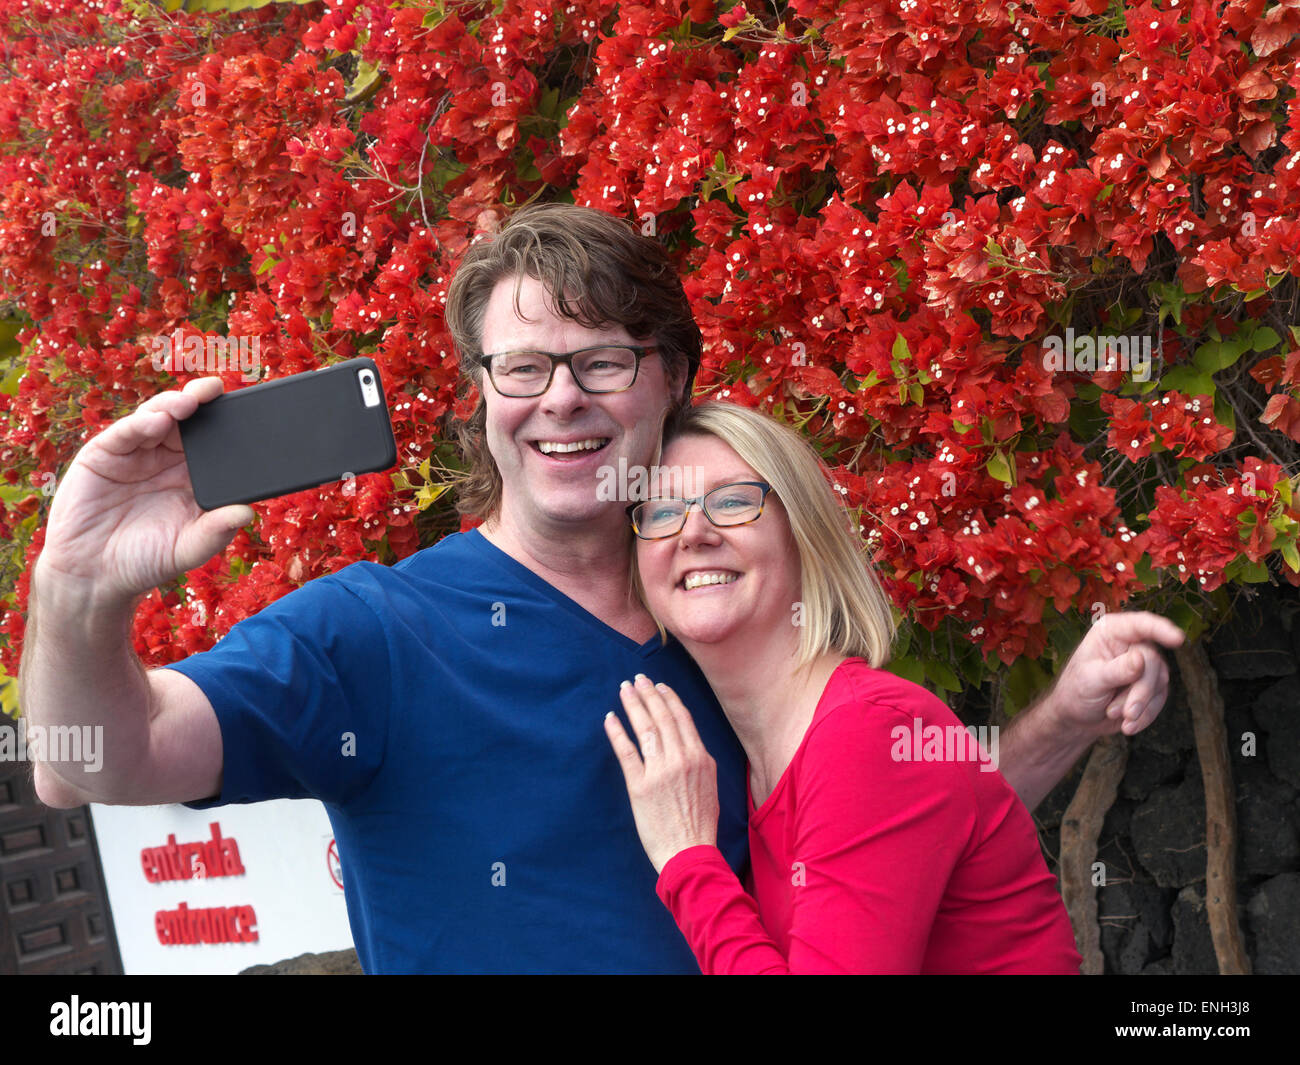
(582, 508)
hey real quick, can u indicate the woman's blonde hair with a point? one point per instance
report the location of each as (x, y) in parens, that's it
(844, 608)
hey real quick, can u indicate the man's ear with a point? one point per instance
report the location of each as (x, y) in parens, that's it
(659, 436)
(676, 374)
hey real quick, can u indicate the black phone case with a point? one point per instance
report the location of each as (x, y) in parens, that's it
(287, 435)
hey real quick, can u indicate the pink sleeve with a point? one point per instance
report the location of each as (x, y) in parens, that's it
(719, 920)
(875, 844)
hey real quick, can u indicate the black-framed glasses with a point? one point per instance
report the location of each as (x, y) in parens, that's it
(725, 506)
(604, 368)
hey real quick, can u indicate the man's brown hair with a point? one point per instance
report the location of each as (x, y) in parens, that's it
(598, 270)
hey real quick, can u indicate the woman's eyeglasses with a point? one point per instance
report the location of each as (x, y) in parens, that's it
(725, 506)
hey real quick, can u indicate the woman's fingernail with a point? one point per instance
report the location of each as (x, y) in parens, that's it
(640, 677)
(625, 684)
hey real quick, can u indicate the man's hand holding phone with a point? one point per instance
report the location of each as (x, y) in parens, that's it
(124, 519)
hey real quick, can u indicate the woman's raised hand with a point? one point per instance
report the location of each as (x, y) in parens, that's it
(673, 781)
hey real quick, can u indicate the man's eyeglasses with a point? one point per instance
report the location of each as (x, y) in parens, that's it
(727, 505)
(605, 368)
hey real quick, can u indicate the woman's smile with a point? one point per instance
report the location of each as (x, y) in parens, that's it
(710, 578)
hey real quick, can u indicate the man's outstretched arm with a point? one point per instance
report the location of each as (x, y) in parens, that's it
(1116, 681)
(123, 521)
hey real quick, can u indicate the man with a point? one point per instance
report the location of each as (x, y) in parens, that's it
(448, 710)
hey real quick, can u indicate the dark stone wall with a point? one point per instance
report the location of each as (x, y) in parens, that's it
(1152, 907)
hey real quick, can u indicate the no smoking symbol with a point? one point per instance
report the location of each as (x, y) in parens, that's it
(336, 867)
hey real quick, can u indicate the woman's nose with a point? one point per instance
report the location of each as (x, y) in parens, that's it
(697, 527)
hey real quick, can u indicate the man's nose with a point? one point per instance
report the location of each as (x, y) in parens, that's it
(563, 392)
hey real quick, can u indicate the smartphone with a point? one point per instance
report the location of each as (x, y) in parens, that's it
(283, 436)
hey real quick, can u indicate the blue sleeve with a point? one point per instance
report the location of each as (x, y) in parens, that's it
(302, 692)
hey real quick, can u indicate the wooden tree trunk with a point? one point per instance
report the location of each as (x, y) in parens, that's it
(1220, 807)
(1080, 831)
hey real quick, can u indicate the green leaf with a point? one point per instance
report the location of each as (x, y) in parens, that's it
(1187, 619)
(1172, 298)
(1291, 556)
(1141, 388)
(1213, 357)
(428, 495)
(562, 111)
(1207, 356)
(1065, 636)
(1143, 571)
(367, 74)
(971, 664)
(1264, 339)
(9, 346)
(1025, 680)
(907, 668)
(942, 676)
(1223, 412)
(9, 696)
(903, 639)
(1189, 380)
(1254, 572)
(899, 350)
(1000, 468)
(1086, 419)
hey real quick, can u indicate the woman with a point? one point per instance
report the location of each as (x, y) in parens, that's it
(872, 849)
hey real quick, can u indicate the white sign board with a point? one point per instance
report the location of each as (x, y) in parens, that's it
(215, 891)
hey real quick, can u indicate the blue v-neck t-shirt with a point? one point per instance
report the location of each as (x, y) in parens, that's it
(448, 712)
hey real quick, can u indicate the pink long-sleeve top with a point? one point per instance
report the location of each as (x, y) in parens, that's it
(887, 846)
